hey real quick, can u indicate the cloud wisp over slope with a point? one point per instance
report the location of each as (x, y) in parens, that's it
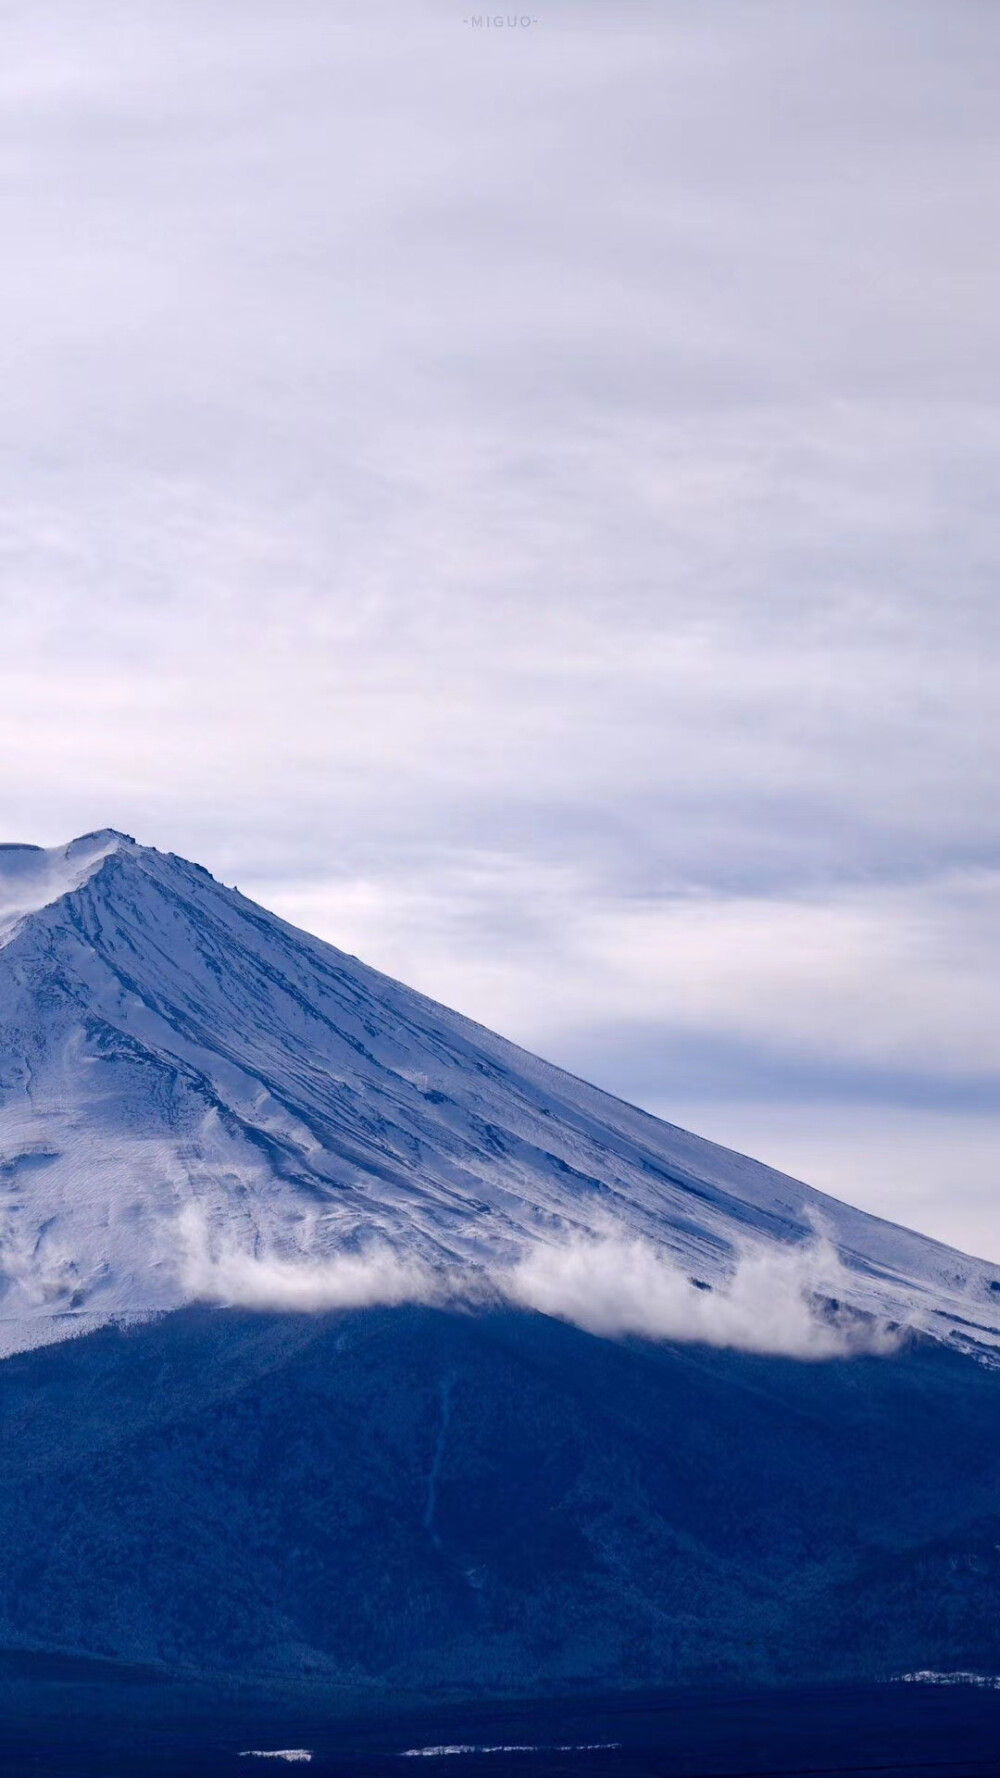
(780, 1302)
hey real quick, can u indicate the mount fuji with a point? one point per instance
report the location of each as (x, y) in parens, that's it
(196, 1098)
(403, 1360)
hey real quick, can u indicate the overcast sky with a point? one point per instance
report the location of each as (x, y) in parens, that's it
(522, 502)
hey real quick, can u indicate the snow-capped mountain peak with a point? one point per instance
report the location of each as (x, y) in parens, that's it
(190, 1088)
(31, 877)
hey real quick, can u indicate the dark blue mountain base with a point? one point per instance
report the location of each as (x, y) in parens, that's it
(405, 1504)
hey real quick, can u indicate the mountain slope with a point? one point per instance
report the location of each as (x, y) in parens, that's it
(409, 1501)
(166, 1044)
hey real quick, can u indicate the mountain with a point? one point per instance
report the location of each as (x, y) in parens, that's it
(444, 1478)
(188, 1082)
(400, 1502)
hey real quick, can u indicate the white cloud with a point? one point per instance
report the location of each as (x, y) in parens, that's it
(772, 1304)
(215, 1269)
(608, 1284)
(889, 977)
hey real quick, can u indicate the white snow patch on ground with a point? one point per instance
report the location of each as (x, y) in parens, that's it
(291, 1755)
(26, 1335)
(509, 1747)
(927, 1676)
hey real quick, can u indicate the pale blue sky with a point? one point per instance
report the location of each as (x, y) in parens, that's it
(524, 505)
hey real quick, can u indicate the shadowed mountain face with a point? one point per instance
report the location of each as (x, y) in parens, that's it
(167, 1046)
(410, 1498)
(402, 1500)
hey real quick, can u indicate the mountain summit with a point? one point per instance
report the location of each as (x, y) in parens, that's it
(193, 1091)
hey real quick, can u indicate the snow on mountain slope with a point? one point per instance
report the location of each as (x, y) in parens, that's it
(31, 877)
(188, 1083)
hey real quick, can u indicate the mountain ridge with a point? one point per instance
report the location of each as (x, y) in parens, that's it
(169, 1047)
